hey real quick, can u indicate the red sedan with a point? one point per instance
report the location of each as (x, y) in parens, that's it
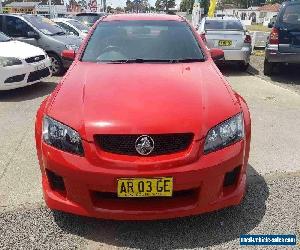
(143, 125)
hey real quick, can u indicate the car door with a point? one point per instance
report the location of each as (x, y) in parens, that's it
(289, 29)
(18, 29)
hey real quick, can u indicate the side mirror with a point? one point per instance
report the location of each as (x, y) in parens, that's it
(217, 54)
(68, 55)
(270, 25)
(32, 34)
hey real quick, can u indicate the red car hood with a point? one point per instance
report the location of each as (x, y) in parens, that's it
(143, 99)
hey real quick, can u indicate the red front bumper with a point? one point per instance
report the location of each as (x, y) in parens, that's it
(198, 185)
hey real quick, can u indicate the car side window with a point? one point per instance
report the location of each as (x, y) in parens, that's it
(1, 24)
(292, 15)
(16, 27)
(68, 28)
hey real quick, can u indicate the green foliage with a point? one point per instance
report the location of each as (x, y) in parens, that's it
(205, 5)
(137, 6)
(109, 9)
(129, 6)
(187, 5)
(164, 4)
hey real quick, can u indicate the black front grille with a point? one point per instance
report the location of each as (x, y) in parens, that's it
(35, 59)
(37, 75)
(12, 79)
(163, 143)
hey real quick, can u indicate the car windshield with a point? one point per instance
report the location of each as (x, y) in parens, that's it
(79, 25)
(88, 19)
(291, 16)
(142, 41)
(223, 25)
(4, 38)
(45, 25)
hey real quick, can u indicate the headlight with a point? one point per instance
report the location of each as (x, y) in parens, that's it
(9, 61)
(224, 134)
(61, 136)
(72, 47)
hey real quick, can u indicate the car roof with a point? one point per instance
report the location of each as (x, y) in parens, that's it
(140, 17)
(19, 14)
(63, 19)
(60, 19)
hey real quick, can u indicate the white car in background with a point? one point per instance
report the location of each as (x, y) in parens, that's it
(21, 64)
(72, 26)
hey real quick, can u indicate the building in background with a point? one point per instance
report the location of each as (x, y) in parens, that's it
(20, 7)
(35, 8)
(261, 15)
(267, 12)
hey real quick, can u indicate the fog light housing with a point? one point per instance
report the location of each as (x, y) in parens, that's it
(231, 177)
(56, 182)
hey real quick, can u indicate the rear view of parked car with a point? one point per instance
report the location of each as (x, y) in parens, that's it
(284, 41)
(21, 64)
(41, 32)
(72, 26)
(89, 18)
(229, 35)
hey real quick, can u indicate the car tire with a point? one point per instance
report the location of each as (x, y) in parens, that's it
(243, 66)
(57, 67)
(268, 68)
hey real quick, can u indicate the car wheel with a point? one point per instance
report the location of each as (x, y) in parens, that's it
(243, 66)
(57, 67)
(268, 68)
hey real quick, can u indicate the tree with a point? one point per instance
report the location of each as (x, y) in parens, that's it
(83, 4)
(129, 6)
(119, 9)
(164, 4)
(205, 6)
(187, 5)
(137, 6)
(108, 9)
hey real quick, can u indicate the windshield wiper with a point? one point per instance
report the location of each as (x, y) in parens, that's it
(187, 60)
(136, 60)
(140, 60)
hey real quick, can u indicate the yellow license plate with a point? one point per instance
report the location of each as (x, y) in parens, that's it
(225, 43)
(144, 187)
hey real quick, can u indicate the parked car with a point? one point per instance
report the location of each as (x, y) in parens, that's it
(41, 32)
(72, 26)
(230, 35)
(283, 45)
(164, 137)
(21, 64)
(89, 18)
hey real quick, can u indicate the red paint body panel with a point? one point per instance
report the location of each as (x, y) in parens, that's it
(143, 99)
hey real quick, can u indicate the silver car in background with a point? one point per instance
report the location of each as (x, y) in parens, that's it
(230, 35)
(72, 26)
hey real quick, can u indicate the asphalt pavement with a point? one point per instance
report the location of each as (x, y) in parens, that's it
(271, 205)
